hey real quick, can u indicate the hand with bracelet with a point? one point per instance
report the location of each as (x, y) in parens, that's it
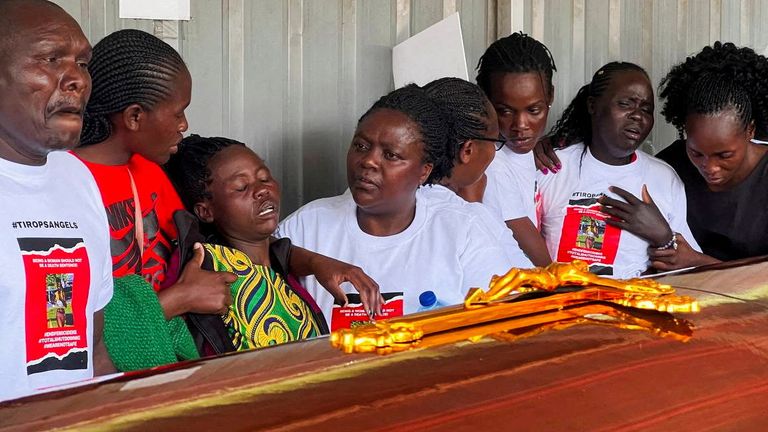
(681, 256)
(667, 250)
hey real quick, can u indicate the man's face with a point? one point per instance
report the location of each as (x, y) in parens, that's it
(44, 83)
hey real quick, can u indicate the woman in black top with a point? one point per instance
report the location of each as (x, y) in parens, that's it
(718, 100)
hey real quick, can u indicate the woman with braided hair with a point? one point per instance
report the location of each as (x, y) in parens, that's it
(590, 208)
(422, 252)
(718, 101)
(134, 121)
(516, 74)
(473, 141)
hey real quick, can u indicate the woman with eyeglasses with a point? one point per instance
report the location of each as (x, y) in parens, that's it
(422, 251)
(475, 135)
(516, 74)
(472, 144)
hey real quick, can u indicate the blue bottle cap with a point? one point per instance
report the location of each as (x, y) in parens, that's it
(427, 298)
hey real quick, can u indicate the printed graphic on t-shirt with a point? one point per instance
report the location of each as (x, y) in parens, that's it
(126, 257)
(58, 279)
(586, 236)
(354, 313)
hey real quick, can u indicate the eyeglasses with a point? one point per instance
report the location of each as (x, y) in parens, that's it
(498, 143)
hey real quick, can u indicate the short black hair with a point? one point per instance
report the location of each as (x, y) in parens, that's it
(128, 67)
(575, 124)
(468, 107)
(516, 53)
(720, 77)
(188, 167)
(433, 122)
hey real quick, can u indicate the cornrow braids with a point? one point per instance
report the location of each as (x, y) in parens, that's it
(467, 106)
(516, 53)
(431, 117)
(575, 124)
(188, 168)
(731, 73)
(128, 67)
(715, 93)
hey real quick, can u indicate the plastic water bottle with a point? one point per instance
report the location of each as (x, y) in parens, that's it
(428, 301)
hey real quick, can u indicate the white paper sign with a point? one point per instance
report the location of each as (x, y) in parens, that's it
(155, 9)
(436, 52)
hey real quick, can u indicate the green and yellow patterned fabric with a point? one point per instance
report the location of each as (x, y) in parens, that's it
(265, 310)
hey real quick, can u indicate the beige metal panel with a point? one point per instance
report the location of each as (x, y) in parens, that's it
(204, 50)
(292, 179)
(577, 75)
(424, 13)
(475, 25)
(233, 41)
(597, 22)
(322, 86)
(699, 29)
(265, 76)
(730, 21)
(666, 53)
(559, 38)
(100, 17)
(377, 32)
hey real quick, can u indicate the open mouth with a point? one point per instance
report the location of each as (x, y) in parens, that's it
(632, 133)
(267, 208)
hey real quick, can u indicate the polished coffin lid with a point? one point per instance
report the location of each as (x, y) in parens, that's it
(583, 377)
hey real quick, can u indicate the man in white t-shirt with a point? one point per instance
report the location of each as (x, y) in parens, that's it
(54, 239)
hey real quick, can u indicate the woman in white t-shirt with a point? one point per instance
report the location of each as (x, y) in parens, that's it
(590, 208)
(422, 252)
(516, 74)
(473, 142)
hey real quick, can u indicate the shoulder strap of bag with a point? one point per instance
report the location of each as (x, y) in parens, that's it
(138, 221)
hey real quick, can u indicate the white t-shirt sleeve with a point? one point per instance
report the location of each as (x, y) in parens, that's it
(107, 286)
(292, 227)
(504, 195)
(482, 258)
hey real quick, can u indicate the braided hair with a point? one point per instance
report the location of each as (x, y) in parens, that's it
(720, 77)
(188, 168)
(467, 106)
(575, 124)
(128, 67)
(516, 53)
(432, 119)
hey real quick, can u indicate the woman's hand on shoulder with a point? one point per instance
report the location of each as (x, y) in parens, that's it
(640, 217)
(545, 157)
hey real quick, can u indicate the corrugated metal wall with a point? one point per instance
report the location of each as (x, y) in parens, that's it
(291, 77)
